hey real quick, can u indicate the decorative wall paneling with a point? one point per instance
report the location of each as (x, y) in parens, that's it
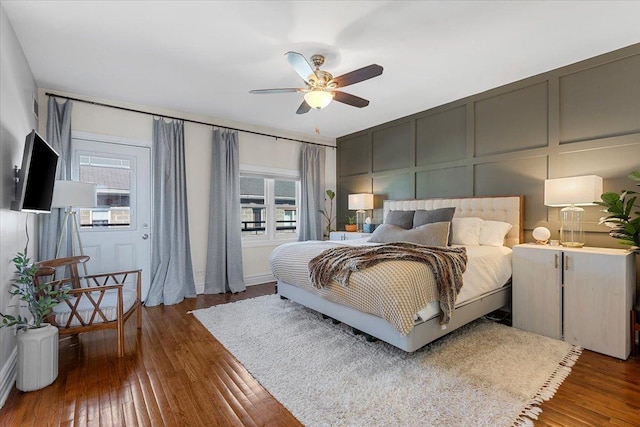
(580, 119)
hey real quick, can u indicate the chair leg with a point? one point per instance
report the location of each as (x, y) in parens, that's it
(139, 314)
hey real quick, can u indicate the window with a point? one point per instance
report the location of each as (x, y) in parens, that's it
(112, 176)
(269, 207)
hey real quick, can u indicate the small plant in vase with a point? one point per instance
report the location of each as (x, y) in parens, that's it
(37, 340)
(623, 219)
(39, 298)
(351, 224)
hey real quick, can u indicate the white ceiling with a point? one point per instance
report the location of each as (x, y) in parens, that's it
(203, 57)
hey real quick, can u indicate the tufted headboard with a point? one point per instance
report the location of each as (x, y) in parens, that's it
(499, 208)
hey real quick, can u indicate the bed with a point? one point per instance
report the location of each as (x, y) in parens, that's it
(485, 289)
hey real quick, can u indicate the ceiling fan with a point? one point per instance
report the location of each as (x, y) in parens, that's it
(321, 85)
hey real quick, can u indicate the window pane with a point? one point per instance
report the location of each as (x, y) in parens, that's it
(113, 179)
(286, 220)
(251, 190)
(285, 192)
(254, 221)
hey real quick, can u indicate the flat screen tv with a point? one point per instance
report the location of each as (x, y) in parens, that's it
(36, 177)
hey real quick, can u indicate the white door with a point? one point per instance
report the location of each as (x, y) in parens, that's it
(117, 233)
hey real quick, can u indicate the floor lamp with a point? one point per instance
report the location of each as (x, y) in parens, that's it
(70, 195)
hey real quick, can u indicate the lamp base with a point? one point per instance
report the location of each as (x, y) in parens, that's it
(572, 227)
(573, 244)
(360, 217)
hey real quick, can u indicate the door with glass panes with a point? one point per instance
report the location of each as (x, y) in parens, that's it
(116, 234)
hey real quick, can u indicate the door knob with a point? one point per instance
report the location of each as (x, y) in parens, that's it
(145, 236)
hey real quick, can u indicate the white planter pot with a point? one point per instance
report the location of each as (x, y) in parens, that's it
(37, 357)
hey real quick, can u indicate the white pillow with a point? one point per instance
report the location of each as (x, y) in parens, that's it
(466, 231)
(493, 233)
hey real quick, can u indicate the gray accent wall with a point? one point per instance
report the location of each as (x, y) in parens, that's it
(577, 120)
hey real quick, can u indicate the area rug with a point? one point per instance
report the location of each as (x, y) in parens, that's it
(484, 374)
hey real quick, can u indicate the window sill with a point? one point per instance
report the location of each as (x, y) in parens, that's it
(249, 243)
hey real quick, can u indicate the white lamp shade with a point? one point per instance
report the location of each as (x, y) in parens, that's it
(576, 191)
(318, 99)
(360, 201)
(75, 194)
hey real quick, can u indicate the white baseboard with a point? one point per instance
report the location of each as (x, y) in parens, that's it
(8, 376)
(249, 281)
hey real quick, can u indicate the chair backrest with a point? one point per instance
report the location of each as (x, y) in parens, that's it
(70, 263)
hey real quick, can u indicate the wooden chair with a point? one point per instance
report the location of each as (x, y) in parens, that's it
(98, 301)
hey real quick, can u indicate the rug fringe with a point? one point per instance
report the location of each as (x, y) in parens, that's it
(532, 410)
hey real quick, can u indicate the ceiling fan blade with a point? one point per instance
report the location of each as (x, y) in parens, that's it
(303, 108)
(359, 75)
(281, 90)
(300, 65)
(347, 98)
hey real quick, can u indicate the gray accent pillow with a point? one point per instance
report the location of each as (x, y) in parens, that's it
(434, 234)
(422, 217)
(402, 219)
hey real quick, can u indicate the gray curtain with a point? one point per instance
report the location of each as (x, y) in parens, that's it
(224, 249)
(312, 198)
(171, 268)
(59, 137)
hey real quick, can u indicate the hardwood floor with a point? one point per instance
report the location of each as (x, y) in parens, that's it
(175, 374)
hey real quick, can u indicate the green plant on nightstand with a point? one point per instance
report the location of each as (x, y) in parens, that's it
(351, 224)
(623, 219)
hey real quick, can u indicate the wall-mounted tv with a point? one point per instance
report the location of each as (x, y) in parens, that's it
(36, 177)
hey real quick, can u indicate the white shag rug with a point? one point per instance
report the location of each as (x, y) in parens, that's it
(484, 374)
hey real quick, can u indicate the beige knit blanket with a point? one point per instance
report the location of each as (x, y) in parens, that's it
(447, 265)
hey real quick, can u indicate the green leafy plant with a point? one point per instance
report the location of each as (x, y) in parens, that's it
(328, 216)
(39, 299)
(623, 219)
(351, 220)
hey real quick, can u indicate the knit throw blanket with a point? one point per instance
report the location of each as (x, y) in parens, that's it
(447, 265)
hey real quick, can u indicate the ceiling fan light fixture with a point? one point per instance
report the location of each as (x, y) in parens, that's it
(318, 99)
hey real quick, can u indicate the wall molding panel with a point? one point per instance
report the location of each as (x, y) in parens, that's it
(576, 120)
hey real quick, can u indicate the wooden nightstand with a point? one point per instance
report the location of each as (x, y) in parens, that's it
(347, 235)
(581, 295)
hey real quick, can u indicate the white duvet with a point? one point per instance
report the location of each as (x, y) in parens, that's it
(488, 268)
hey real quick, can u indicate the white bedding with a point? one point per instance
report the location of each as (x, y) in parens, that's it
(488, 268)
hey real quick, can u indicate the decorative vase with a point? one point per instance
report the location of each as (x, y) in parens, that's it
(351, 227)
(37, 357)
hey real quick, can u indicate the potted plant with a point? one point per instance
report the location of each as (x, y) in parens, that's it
(623, 220)
(328, 216)
(351, 224)
(37, 340)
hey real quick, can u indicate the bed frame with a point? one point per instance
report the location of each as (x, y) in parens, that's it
(508, 209)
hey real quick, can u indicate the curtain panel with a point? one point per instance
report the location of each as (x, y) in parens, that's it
(312, 162)
(224, 249)
(59, 137)
(171, 267)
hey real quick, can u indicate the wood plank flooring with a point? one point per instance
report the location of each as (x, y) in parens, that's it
(175, 374)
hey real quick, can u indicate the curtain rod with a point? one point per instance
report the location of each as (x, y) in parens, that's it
(133, 110)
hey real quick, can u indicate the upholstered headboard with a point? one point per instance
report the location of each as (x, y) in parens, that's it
(500, 208)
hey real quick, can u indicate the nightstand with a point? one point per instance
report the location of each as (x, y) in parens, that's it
(347, 235)
(581, 295)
